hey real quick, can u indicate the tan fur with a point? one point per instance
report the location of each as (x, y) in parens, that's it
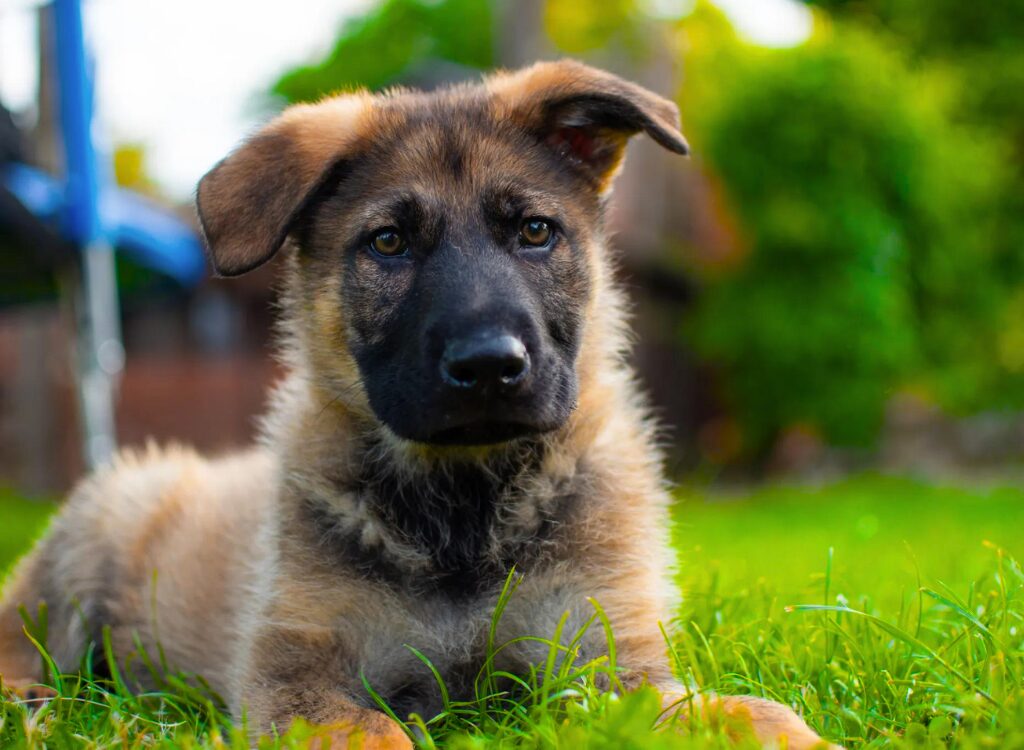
(244, 193)
(216, 560)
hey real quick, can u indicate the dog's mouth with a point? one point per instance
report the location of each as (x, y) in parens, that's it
(484, 432)
(469, 420)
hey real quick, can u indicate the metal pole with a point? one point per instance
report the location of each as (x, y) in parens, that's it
(100, 353)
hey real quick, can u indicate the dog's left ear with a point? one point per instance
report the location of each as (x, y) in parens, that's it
(249, 202)
(586, 115)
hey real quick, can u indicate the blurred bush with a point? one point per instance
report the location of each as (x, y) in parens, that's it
(978, 47)
(383, 46)
(581, 27)
(867, 211)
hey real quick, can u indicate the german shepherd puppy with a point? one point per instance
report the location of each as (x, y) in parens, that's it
(458, 404)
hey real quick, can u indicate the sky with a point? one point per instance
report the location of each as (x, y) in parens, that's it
(182, 77)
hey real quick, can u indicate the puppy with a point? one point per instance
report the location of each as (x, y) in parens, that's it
(457, 405)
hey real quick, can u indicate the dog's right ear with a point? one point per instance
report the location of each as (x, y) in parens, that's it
(249, 202)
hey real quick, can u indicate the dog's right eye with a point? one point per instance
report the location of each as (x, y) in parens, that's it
(388, 242)
(535, 233)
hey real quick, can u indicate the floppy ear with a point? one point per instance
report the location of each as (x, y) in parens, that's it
(585, 114)
(249, 201)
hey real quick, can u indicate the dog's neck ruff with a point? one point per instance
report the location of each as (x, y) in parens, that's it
(449, 522)
(459, 528)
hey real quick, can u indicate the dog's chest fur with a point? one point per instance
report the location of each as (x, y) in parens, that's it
(443, 544)
(452, 637)
(457, 531)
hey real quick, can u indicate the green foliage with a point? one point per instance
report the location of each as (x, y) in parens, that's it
(864, 210)
(887, 611)
(977, 47)
(579, 27)
(376, 50)
(23, 521)
(939, 27)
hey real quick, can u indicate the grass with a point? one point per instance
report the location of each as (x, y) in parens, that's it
(887, 611)
(22, 521)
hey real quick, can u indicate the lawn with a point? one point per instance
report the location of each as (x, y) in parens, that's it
(887, 611)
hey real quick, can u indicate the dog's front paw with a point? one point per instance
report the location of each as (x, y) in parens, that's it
(30, 693)
(378, 734)
(773, 724)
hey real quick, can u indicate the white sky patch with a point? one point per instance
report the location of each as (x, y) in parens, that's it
(771, 23)
(19, 62)
(183, 77)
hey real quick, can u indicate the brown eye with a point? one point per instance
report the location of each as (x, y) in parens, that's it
(388, 242)
(535, 232)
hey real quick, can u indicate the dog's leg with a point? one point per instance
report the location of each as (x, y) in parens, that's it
(772, 724)
(642, 658)
(37, 587)
(20, 661)
(289, 674)
(343, 722)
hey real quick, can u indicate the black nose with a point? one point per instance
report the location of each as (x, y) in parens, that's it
(485, 361)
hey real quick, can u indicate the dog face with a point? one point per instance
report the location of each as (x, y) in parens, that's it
(447, 243)
(462, 253)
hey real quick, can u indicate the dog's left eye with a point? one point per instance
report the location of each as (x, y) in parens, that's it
(388, 242)
(535, 233)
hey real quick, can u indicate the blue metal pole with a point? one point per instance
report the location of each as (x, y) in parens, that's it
(81, 218)
(100, 351)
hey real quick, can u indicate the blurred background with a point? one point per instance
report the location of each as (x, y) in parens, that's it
(834, 281)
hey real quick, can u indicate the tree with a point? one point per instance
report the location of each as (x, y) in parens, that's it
(867, 213)
(395, 42)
